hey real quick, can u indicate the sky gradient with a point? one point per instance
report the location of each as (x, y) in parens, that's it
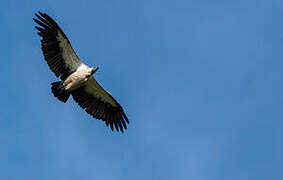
(201, 83)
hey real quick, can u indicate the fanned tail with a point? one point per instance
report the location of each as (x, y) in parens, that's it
(59, 91)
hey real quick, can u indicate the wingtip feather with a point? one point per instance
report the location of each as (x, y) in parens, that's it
(125, 117)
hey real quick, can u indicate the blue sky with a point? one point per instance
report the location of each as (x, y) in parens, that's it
(201, 82)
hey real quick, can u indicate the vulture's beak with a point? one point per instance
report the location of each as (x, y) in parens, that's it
(93, 70)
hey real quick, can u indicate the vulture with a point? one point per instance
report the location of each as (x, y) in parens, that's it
(76, 77)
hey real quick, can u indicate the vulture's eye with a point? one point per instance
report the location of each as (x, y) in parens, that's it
(88, 76)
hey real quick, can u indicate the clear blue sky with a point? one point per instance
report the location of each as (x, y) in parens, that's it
(201, 82)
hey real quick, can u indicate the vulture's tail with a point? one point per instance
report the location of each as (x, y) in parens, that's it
(59, 91)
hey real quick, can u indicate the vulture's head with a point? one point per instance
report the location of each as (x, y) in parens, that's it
(91, 72)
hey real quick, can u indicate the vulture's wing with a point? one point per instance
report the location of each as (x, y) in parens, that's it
(56, 47)
(101, 105)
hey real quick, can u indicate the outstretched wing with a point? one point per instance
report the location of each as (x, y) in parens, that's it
(101, 105)
(56, 47)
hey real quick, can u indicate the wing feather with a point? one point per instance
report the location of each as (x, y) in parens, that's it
(56, 47)
(100, 104)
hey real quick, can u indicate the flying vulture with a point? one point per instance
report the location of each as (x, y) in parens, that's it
(76, 77)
